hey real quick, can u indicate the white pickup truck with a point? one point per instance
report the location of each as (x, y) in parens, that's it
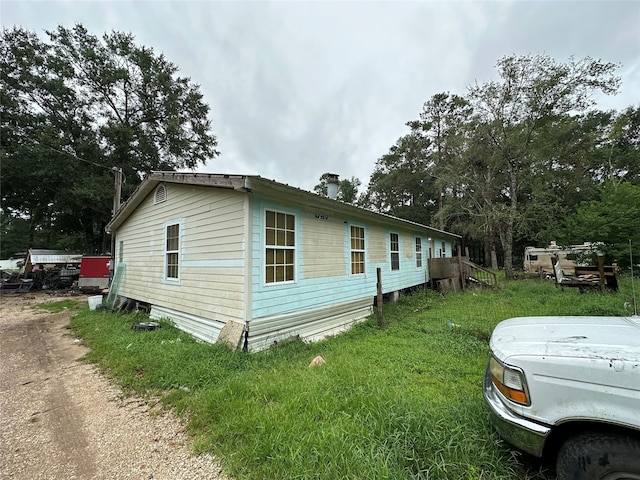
(568, 389)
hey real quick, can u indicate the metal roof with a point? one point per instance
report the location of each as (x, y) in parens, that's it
(268, 188)
(37, 256)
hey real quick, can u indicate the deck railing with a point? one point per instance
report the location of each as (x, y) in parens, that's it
(477, 275)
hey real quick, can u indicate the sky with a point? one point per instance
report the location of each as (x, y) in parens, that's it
(300, 88)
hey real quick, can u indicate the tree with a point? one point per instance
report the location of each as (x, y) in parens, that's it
(510, 162)
(347, 188)
(401, 184)
(612, 221)
(74, 108)
(623, 160)
(468, 182)
(443, 128)
(566, 156)
(404, 182)
(533, 91)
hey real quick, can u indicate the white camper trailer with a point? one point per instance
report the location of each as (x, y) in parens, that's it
(538, 259)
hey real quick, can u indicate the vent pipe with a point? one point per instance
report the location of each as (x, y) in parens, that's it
(332, 185)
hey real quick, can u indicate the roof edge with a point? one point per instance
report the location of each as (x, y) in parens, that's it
(246, 183)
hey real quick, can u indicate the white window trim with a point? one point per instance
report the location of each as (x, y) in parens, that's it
(263, 223)
(391, 252)
(419, 254)
(351, 250)
(180, 223)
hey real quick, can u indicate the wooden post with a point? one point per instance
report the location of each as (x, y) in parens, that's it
(460, 267)
(379, 298)
(601, 271)
(117, 193)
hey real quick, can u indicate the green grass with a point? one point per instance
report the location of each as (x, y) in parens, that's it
(58, 305)
(404, 402)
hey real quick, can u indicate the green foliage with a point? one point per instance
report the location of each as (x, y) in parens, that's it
(14, 234)
(612, 221)
(532, 91)
(347, 188)
(625, 144)
(406, 182)
(510, 162)
(402, 402)
(75, 107)
(401, 184)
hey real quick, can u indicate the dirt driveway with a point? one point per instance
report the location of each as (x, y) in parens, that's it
(60, 419)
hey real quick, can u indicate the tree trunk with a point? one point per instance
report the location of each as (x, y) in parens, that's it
(487, 248)
(507, 246)
(507, 242)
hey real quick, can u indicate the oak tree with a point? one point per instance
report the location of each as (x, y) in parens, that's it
(74, 107)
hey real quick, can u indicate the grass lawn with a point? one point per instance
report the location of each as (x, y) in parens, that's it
(404, 402)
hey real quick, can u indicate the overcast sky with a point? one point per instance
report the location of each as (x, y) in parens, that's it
(297, 89)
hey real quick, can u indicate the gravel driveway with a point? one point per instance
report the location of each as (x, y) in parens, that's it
(62, 420)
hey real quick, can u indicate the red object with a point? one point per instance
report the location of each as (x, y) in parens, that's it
(94, 272)
(94, 267)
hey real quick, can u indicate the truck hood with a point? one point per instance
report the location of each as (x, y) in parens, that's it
(578, 337)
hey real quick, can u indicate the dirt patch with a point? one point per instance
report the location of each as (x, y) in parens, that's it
(61, 419)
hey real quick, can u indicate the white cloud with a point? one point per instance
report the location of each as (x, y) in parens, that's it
(300, 88)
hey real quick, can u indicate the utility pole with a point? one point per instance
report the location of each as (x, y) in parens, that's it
(117, 189)
(117, 192)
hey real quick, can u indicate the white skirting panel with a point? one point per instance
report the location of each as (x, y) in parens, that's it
(200, 327)
(310, 325)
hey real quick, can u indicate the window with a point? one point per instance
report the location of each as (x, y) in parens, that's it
(280, 241)
(172, 251)
(418, 252)
(395, 251)
(357, 250)
(161, 194)
(444, 250)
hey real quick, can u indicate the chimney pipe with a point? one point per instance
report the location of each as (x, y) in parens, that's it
(332, 185)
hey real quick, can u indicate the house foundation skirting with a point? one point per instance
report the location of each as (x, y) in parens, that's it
(202, 328)
(310, 325)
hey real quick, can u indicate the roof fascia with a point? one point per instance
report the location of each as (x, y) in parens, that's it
(236, 182)
(270, 189)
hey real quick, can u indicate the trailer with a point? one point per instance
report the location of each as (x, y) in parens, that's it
(94, 272)
(538, 259)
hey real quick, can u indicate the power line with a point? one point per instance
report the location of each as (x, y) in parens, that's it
(117, 173)
(70, 154)
(76, 157)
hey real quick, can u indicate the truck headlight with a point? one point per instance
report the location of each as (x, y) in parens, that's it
(510, 381)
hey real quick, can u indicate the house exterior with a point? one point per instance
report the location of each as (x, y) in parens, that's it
(212, 251)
